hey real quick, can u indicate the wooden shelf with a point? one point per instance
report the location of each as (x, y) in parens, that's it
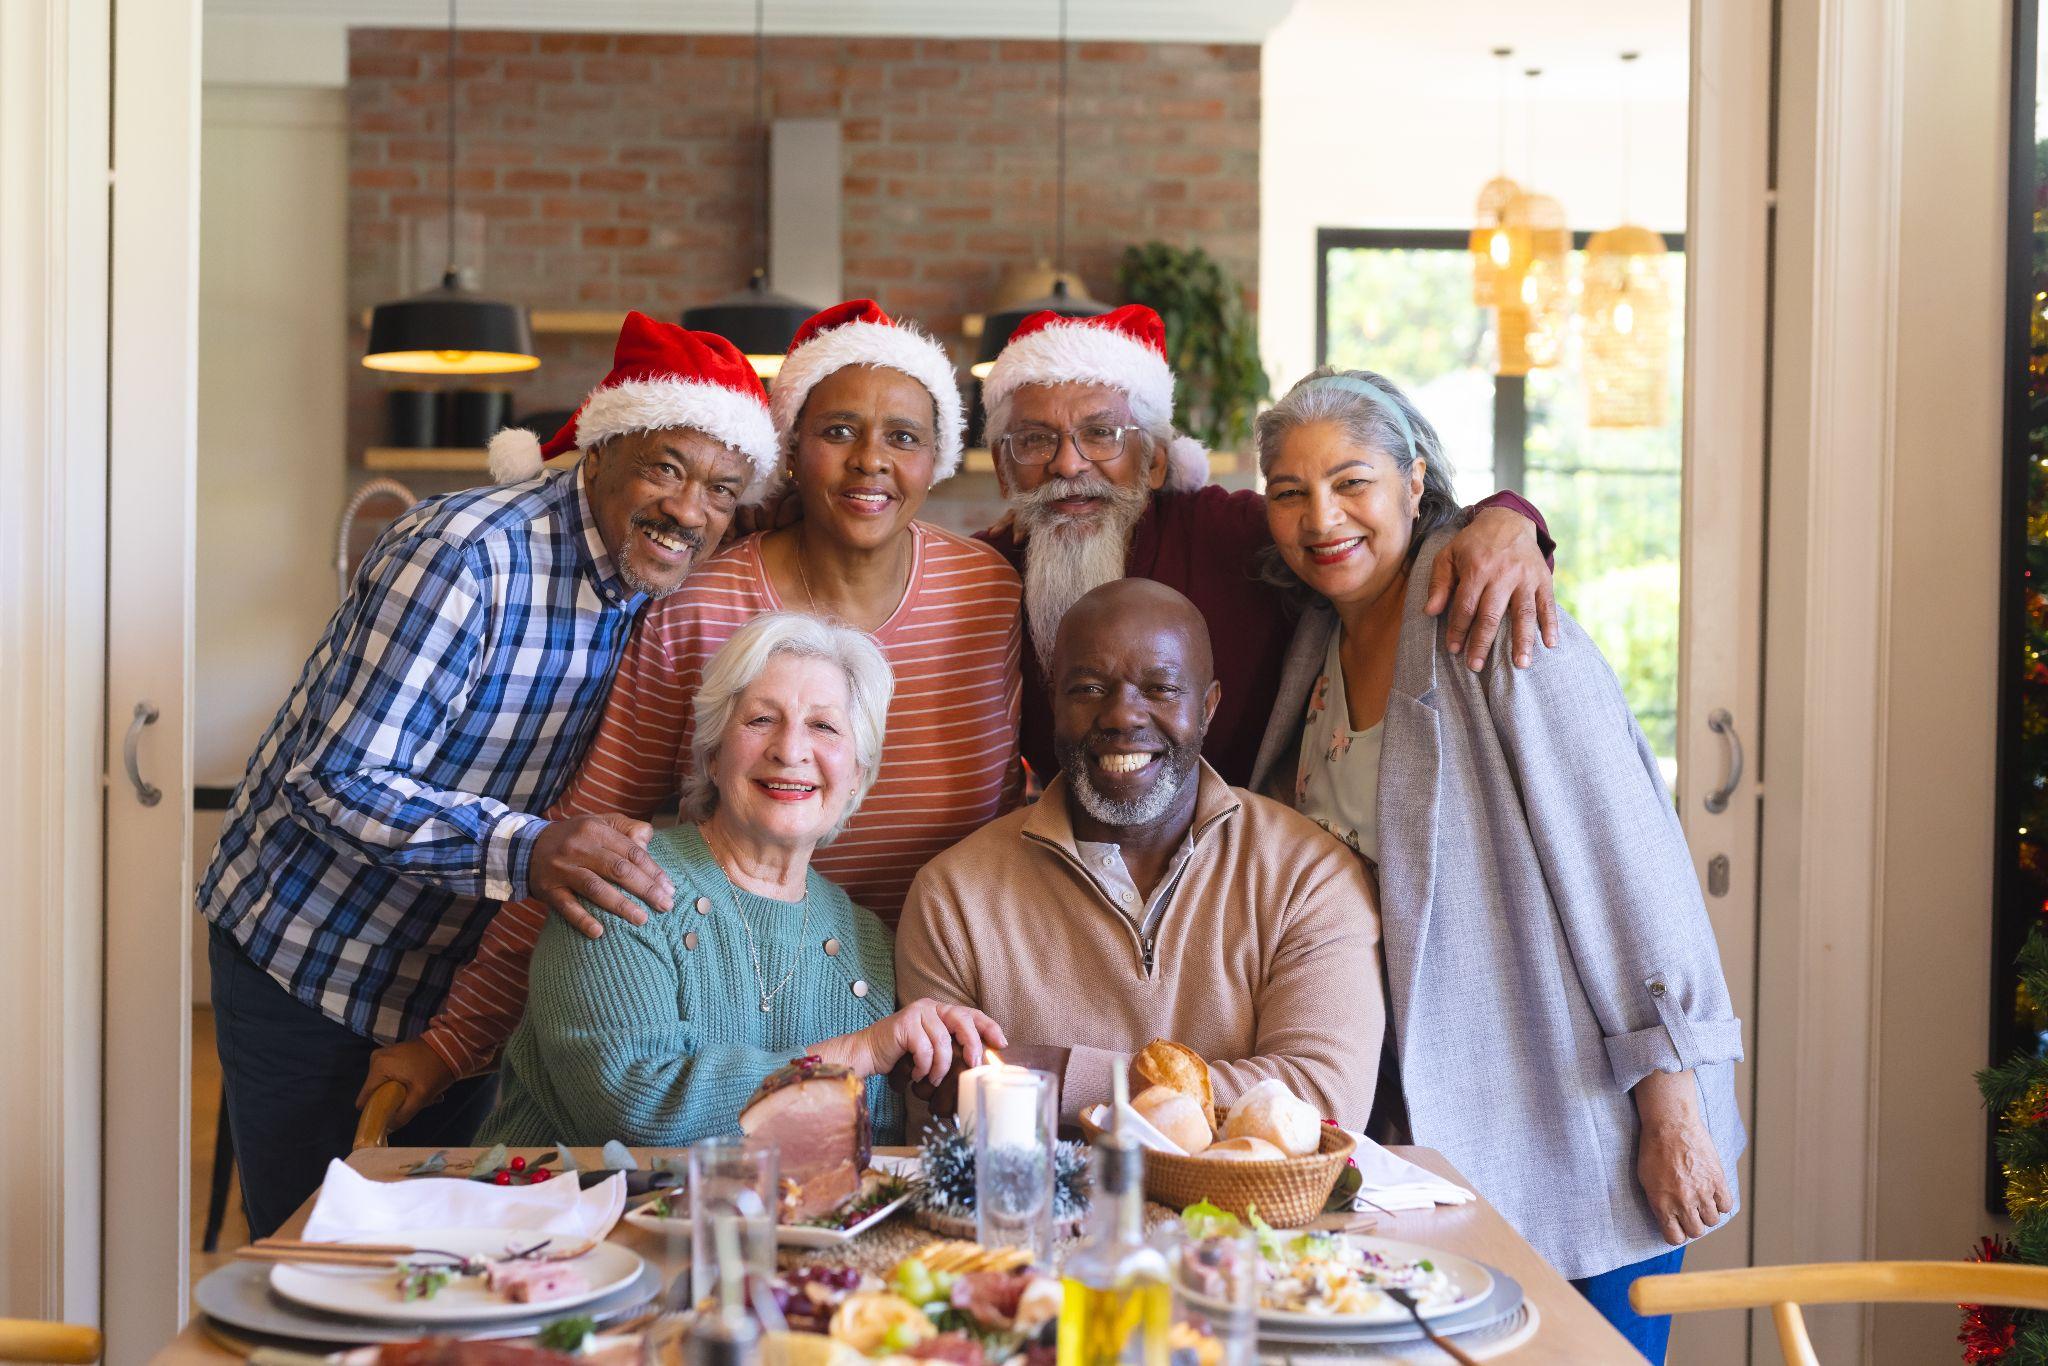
(562, 321)
(472, 460)
(438, 459)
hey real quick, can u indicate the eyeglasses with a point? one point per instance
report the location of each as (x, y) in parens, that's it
(1096, 441)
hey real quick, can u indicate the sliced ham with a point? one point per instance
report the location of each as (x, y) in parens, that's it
(816, 1114)
(533, 1282)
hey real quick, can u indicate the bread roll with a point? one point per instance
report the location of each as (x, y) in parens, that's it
(1243, 1150)
(1177, 1115)
(1272, 1112)
(1166, 1063)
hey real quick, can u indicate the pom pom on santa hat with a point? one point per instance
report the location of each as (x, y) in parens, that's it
(662, 376)
(1124, 348)
(858, 332)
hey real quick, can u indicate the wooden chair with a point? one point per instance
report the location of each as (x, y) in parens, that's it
(36, 1340)
(1785, 1288)
(373, 1130)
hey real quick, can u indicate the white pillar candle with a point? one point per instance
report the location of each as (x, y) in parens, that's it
(1008, 1096)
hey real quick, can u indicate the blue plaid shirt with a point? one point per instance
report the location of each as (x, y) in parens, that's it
(389, 808)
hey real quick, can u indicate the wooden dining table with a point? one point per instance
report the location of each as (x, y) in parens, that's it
(1569, 1331)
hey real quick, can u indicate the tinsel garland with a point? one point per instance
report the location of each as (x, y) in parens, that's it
(2017, 1091)
(948, 1167)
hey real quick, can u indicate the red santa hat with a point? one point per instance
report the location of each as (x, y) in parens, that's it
(1124, 348)
(662, 376)
(858, 332)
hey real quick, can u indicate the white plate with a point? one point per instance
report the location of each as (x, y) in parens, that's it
(1470, 1283)
(786, 1235)
(372, 1292)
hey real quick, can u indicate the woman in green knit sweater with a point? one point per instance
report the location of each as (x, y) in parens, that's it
(657, 1034)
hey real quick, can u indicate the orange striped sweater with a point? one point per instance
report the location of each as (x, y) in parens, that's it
(948, 759)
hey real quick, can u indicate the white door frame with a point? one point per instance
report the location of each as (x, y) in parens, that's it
(54, 78)
(1834, 391)
(1722, 549)
(152, 481)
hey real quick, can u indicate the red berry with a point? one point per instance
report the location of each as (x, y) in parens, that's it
(518, 1164)
(539, 1174)
(502, 1179)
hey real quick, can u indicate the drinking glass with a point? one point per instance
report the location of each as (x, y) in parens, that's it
(1015, 1124)
(1215, 1295)
(739, 1178)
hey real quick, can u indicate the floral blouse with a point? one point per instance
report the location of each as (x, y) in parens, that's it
(1337, 782)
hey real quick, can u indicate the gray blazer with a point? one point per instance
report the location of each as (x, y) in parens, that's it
(1546, 946)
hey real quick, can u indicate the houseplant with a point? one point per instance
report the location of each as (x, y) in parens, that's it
(1212, 340)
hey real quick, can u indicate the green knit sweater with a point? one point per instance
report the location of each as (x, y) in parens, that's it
(642, 1037)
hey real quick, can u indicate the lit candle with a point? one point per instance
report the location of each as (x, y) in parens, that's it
(1008, 1096)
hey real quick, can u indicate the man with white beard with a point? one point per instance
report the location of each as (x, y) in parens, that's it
(1080, 418)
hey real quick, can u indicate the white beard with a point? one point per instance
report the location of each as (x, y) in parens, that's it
(1065, 559)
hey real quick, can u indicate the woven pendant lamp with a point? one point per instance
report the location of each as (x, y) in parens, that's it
(1543, 287)
(1627, 310)
(1626, 306)
(1499, 252)
(1495, 250)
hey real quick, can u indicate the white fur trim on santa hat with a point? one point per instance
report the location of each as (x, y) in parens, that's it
(1075, 352)
(1187, 464)
(514, 456)
(648, 405)
(897, 346)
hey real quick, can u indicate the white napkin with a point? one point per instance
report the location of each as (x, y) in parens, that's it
(1394, 1183)
(1136, 1126)
(353, 1206)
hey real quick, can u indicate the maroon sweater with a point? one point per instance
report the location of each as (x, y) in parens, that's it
(1204, 544)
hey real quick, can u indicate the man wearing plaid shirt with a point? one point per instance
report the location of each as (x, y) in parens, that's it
(389, 808)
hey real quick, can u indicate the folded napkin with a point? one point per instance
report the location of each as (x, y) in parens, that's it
(1389, 1182)
(351, 1205)
(1136, 1127)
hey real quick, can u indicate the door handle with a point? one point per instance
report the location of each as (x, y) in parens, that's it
(147, 793)
(1721, 723)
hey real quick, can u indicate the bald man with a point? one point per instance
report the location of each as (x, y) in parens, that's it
(1143, 897)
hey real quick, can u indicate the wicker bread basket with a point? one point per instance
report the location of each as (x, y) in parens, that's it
(1289, 1191)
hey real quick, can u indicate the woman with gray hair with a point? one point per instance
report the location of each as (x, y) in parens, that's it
(1557, 1020)
(657, 1034)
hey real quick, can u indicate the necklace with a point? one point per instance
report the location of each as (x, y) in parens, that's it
(753, 954)
(810, 598)
(753, 951)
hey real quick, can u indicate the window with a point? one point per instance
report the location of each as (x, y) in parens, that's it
(1401, 303)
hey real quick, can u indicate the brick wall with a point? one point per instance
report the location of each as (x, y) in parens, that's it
(621, 170)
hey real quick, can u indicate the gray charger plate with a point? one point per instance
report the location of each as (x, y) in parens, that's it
(1503, 1300)
(239, 1296)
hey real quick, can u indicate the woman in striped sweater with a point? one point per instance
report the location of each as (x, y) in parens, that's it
(869, 413)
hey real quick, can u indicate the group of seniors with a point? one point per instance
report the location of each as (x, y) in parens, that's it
(1301, 802)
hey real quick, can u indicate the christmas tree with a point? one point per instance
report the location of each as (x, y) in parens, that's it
(2018, 1089)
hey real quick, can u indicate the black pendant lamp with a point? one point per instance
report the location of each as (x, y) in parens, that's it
(1068, 303)
(757, 320)
(450, 330)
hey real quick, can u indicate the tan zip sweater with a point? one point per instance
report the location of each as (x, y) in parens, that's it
(1265, 958)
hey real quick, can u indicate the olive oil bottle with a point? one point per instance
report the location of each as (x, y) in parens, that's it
(1118, 1298)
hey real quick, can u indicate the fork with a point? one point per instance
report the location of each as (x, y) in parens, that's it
(1442, 1344)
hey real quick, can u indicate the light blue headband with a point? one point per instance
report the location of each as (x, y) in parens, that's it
(1367, 389)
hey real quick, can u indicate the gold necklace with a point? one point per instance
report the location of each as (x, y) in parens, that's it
(801, 577)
